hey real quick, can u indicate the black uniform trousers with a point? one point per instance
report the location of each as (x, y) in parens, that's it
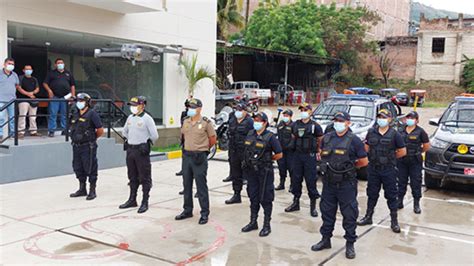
(84, 161)
(343, 194)
(261, 190)
(285, 164)
(195, 167)
(385, 176)
(410, 167)
(236, 158)
(304, 165)
(139, 168)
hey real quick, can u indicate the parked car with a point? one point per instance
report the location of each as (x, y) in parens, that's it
(389, 92)
(251, 89)
(451, 156)
(401, 99)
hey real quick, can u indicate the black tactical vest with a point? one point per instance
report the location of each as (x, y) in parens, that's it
(257, 151)
(81, 128)
(382, 150)
(285, 135)
(306, 141)
(238, 132)
(335, 161)
(413, 141)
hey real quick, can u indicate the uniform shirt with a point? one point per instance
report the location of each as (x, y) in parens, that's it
(28, 84)
(60, 82)
(318, 131)
(8, 84)
(197, 134)
(356, 149)
(397, 141)
(139, 129)
(273, 144)
(93, 118)
(423, 136)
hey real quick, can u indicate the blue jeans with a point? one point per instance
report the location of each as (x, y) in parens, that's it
(54, 108)
(11, 114)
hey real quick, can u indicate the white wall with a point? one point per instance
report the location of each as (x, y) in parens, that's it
(191, 23)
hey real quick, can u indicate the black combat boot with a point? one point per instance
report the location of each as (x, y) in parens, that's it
(132, 200)
(180, 173)
(350, 251)
(235, 198)
(367, 219)
(253, 225)
(92, 194)
(394, 222)
(295, 206)
(400, 203)
(144, 206)
(266, 229)
(312, 208)
(416, 206)
(325, 243)
(281, 186)
(227, 179)
(81, 192)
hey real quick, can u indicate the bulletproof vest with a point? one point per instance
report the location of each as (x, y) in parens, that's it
(335, 161)
(382, 150)
(238, 132)
(81, 129)
(257, 151)
(305, 141)
(412, 140)
(285, 135)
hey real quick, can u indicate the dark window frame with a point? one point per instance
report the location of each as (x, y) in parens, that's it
(438, 45)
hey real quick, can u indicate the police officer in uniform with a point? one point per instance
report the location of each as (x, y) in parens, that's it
(411, 165)
(184, 115)
(307, 134)
(261, 148)
(342, 153)
(140, 132)
(86, 127)
(239, 126)
(285, 137)
(200, 137)
(384, 145)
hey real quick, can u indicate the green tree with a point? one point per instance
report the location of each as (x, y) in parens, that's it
(229, 14)
(194, 73)
(468, 75)
(268, 3)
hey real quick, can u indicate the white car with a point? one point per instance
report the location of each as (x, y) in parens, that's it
(251, 89)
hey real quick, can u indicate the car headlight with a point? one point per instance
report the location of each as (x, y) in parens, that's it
(440, 144)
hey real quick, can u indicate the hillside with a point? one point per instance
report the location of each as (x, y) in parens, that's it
(418, 8)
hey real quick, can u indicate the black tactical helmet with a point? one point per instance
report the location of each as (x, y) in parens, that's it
(83, 97)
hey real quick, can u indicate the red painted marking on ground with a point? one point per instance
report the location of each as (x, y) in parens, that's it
(123, 245)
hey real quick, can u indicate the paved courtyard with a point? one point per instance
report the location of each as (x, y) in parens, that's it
(41, 224)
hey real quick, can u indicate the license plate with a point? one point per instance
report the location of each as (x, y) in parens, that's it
(469, 171)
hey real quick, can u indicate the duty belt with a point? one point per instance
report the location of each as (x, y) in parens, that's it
(194, 152)
(83, 143)
(131, 146)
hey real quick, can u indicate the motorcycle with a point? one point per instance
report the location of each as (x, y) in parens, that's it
(252, 103)
(221, 125)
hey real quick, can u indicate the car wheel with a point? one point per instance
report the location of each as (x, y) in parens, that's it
(212, 152)
(431, 182)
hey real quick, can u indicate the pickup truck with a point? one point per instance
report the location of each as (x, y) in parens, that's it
(251, 89)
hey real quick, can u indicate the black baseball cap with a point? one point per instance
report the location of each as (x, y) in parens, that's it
(384, 113)
(195, 103)
(342, 116)
(412, 114)
(241, 106)
(262, 116)
(305, 106)
(288, 112)
(137, 100)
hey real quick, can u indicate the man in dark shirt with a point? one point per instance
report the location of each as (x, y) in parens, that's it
(29, 87)
(58, 83)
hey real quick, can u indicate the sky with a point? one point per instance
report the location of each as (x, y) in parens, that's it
(460, 6)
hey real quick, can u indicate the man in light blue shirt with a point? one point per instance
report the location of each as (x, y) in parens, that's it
(9, 83)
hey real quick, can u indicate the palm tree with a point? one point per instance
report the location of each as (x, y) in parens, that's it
(194, 73)
(228, 13)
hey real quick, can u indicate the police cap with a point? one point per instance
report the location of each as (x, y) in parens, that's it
(288, 112)
(384, 113)
(412, 114)
(342, 116)
(195, 103)
(137, 100)
(261, 115)
(305, 106)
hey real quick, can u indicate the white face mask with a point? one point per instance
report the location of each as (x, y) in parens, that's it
(134, 109)
(10, 67)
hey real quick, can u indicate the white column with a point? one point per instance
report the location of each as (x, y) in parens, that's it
(457, 63)
(3, 31)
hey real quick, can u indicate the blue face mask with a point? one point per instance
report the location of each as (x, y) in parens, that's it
(258, 125)
(382, 122)
(60, 66)
(286, 119)
(339, 126)
(191, 112)
(28, 72)
(239, 114)
(304, 115)
(410, 122)
(80, 105)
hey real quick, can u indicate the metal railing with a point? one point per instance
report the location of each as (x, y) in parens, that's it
(112, 114)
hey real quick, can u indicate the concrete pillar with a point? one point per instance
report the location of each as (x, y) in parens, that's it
(457, 63)
(3, 31)
(419, 53)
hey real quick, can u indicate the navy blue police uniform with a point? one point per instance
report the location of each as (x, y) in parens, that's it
(285, 164)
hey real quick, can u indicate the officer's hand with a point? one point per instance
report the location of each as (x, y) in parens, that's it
(318, 156)
(50, 95)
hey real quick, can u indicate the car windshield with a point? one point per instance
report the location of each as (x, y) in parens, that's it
(359, 110)
(459, 119)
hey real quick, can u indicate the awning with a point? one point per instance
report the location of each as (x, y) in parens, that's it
(124, 6)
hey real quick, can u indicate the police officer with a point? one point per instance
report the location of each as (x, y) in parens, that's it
(341, 154)
(200, 137)
(307, 134)
(86, 127)
(140, 132)
(239, 126)
(261, 148)
(384, 145)
(285, 137)
(410, 166)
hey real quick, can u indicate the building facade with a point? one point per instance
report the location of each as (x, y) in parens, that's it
(38, 31)
(442, 46)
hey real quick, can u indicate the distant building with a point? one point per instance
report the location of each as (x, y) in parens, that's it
(442, 45)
